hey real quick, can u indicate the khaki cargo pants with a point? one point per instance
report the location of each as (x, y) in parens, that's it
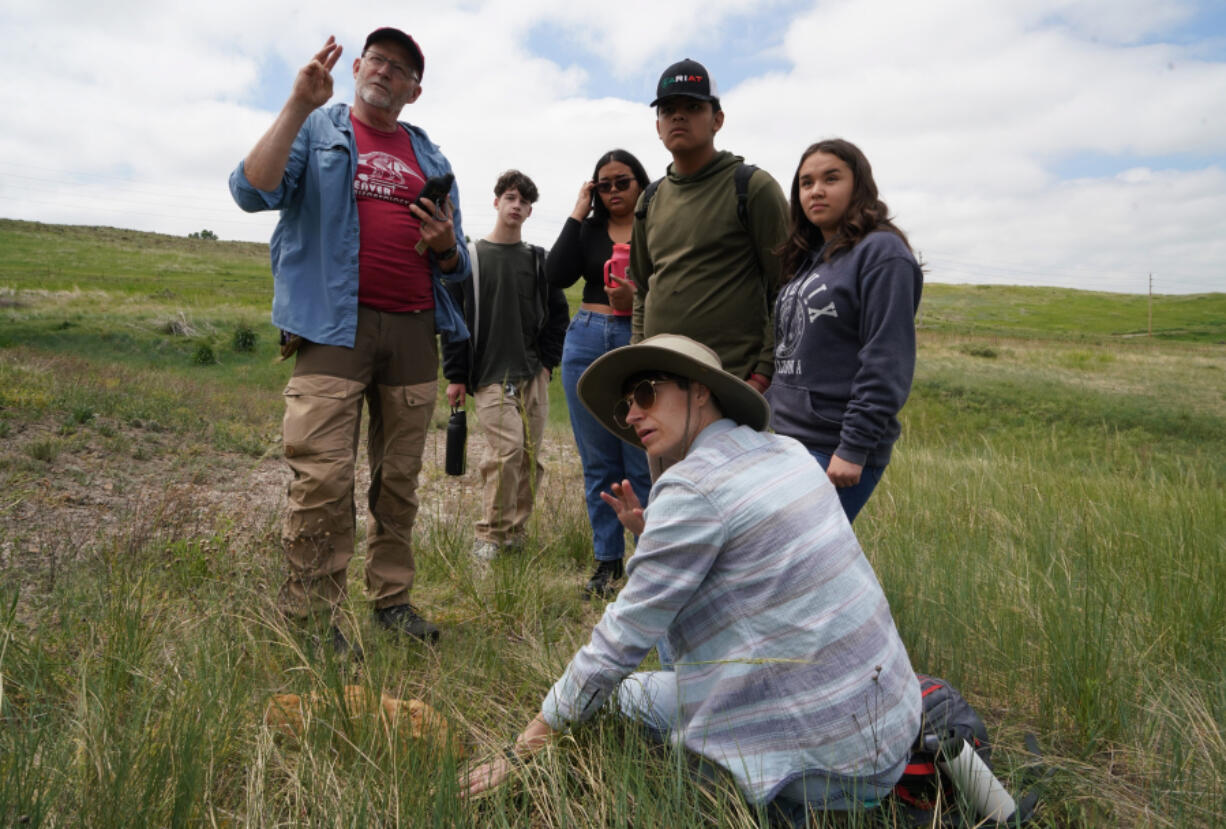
(513, 422)
(393, 367)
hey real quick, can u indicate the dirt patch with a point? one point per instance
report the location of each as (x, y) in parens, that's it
(67, 494)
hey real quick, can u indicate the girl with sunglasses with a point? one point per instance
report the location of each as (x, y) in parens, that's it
(844, 321)
(603, 217)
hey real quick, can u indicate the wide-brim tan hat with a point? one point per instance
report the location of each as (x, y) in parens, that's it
(600, 387)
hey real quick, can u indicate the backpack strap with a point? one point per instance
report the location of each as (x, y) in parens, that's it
(542, 284)
(741, 179)
(475, 265)
(648, 193)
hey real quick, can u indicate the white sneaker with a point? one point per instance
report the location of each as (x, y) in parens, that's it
(485, 550)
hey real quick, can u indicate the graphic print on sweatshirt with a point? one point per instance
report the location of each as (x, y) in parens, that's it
(386, 177)
(802, 303)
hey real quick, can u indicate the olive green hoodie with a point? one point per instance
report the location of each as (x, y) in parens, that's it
(700, 273)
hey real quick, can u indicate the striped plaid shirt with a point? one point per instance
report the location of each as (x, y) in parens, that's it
(787, 658)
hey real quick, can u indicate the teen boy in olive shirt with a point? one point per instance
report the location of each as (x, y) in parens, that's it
(697, 269)
(518, 324)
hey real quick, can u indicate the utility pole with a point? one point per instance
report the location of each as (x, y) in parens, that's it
(1151, 306)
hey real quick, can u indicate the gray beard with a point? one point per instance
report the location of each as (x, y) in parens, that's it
(374, 96)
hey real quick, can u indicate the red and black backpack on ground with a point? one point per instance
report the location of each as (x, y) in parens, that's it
(924, 788)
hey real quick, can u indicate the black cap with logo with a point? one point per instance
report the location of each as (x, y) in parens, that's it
(688, 78)
(397, 36)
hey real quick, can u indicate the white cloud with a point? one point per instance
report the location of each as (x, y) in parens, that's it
(134, 115)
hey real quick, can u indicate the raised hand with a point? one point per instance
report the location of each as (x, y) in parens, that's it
(626, 504)
(583, 205)
(313, 83)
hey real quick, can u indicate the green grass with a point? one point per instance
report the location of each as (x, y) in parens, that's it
(1051, 535)
(1070, 314)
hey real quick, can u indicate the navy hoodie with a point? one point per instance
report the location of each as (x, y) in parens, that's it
(845, 349)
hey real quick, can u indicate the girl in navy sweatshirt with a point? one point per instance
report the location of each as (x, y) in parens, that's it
(844, 321)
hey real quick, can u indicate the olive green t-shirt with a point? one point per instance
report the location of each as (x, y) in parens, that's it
(510, 314)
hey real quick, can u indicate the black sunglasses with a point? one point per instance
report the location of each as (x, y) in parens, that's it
(643, 395)
(620, 184)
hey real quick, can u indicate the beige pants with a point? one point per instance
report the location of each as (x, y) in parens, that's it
(513, 424)
(393, 368)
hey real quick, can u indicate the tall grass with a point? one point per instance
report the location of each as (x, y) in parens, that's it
(1051, 535)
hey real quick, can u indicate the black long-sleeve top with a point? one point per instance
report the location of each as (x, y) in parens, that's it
(581, 251)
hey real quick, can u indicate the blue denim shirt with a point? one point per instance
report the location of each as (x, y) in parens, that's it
(314, 249)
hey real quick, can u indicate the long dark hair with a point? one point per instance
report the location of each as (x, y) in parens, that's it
(599, 212)
(865, 213)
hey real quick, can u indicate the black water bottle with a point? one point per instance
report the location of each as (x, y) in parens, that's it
(457, 435)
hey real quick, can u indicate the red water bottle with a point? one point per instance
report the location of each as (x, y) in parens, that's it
(617, 266)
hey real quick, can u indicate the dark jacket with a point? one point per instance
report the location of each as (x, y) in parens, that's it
(845, 349)
(459, 358)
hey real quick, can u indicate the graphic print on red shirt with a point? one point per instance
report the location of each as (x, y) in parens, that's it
(392, 276)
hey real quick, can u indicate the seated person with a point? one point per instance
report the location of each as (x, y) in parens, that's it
(789, 673)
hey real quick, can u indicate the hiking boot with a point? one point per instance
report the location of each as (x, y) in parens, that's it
(600, 585)
(404, 618)
(485, 551)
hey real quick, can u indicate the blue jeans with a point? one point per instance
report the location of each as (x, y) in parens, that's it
(650, 698)
(606, 458)
(853, 498)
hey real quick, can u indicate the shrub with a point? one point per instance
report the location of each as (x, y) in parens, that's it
(204, 356)
(245, 338)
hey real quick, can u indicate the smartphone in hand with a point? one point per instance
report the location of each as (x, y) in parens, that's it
(434, 194)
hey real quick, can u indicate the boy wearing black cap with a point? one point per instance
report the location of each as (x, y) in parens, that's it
(703, 252)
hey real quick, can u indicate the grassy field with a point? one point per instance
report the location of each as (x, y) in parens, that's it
(1051, 536)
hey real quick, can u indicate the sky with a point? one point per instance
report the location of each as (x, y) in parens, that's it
(1075, 143)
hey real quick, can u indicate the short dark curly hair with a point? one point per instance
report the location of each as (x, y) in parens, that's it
(515, 180)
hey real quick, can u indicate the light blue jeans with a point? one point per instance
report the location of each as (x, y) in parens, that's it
(650, 698)
(606, 458)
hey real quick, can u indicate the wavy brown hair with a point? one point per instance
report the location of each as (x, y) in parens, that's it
(515, 180)
(865, 213)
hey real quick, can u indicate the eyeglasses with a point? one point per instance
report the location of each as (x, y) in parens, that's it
(643, 395)
(620, 184)
(398, 70)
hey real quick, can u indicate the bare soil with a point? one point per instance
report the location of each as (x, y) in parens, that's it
(62, 496)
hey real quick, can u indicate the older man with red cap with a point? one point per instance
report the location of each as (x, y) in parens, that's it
(359, 267)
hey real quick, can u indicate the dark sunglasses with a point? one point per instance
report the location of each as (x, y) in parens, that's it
(620, 184)
(642, 395)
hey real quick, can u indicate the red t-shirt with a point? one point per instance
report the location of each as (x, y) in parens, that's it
(392, 276)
